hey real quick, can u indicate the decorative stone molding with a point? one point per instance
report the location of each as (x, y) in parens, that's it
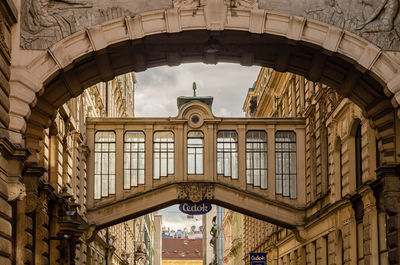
(16, 191)
(196, 192)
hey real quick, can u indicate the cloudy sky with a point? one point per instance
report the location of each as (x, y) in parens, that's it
(158, 88)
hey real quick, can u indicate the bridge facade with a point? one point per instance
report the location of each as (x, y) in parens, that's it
(255, 166)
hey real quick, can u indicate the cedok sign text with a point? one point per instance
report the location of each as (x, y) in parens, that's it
(195, 208)
(258, 258)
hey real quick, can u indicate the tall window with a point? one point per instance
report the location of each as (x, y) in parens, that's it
(358, 157)
(285, 159)
(227, 154)
(134, 159)
(163, 154)
(104, 167)
(256, 158)
(195, 148)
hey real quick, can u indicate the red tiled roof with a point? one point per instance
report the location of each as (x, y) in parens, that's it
(182, 249)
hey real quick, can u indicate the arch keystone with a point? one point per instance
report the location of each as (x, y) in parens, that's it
(215, 15)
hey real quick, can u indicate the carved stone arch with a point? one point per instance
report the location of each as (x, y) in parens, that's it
(197, 107)
(363, 72)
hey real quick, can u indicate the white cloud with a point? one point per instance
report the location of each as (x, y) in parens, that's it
(158, 88)
(173, 218)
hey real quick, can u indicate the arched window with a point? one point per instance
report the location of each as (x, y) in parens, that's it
(285, 168)
(195, 149)
(256, 158)
(163, 154)
(104, 167)
(358, 159)
(227, 154)
(134, 158)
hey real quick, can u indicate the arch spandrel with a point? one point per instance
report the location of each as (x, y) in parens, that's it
(373, 21)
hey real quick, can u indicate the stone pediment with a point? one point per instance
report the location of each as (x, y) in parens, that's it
(196, 113)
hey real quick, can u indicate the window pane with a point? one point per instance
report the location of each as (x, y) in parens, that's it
(264, 180)
(227, 154)
(104, 185)
(111, 181)
(156, 166)
(199, 164)
(107, 136)
(257, 178)
(141, 177)
(220, 163)
(285, 164)
(191, 169)
(163, 153)
(127, 179)
(171, 163)
(112, 163)
(97, 163)
(104, 163)
(134, 178)
(97, 186)
(234, 166)
(163, 172)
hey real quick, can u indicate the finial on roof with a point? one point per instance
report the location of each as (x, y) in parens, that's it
(194, 89)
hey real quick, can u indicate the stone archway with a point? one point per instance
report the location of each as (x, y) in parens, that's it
(41, 81)
(353, 66)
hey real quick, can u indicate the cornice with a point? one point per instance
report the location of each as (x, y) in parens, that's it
(11, 151)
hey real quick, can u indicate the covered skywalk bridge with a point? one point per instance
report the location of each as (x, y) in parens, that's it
(251, 165)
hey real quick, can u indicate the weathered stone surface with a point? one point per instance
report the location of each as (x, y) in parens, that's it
(376, 21)
(45, 22)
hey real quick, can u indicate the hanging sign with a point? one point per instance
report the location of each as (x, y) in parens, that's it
(195, 208)
(258, 258)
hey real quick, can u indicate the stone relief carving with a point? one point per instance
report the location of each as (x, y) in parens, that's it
(253, 4)
(44, 22)
(331, 13)
(196, 192)
(186, 3)
(16, 191)
(382, 18)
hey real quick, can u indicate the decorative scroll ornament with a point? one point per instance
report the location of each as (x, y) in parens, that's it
(196, 192)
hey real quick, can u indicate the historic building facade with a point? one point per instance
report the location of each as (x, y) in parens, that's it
(52, 51)
(342, 181)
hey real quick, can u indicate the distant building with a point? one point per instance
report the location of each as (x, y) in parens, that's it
(182, 251)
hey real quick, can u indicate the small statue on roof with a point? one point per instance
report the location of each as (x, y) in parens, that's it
(194, 89)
